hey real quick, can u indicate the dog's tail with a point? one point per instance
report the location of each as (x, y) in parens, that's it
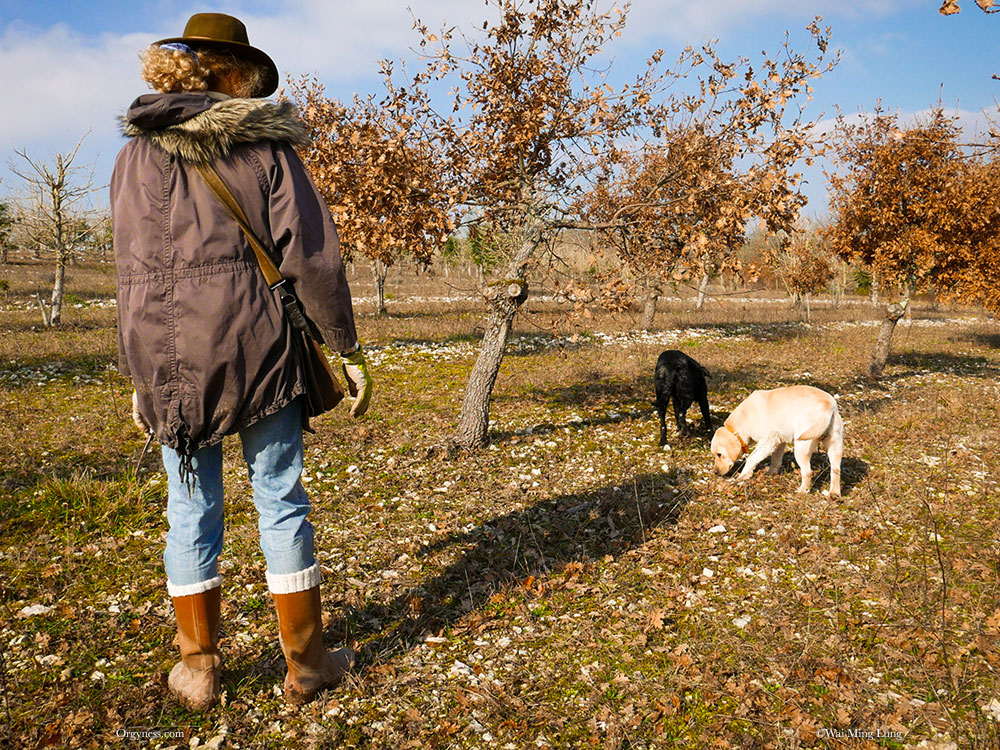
(834, 430)
(704, 370)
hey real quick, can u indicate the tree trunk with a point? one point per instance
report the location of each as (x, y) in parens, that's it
(379, 271)
(55, 308)
(702, 286)
(873, 290)
(932, 295)
(41, 306)
(809, 317)
(504, 298)
(649, 308)
(882, 344)
(62, 251)
(473, 426)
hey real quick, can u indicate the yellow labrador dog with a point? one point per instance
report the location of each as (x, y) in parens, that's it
(801, 415)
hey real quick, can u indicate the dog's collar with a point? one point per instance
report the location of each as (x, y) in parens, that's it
(742, 444)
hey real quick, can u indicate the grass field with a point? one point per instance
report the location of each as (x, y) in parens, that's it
(571, 586)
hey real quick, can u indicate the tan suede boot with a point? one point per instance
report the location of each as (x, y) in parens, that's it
(311, 667)
(195, 678)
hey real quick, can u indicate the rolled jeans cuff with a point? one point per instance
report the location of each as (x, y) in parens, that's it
(291, 583)
(193, 588)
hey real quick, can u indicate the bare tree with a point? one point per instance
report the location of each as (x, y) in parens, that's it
(49, 219)
(98, 239)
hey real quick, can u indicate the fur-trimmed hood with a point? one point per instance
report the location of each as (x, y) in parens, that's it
(200, 129)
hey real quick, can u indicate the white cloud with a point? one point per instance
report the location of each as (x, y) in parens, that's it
(343, 41)
(974, 125)
(686, 21)
(58, 86)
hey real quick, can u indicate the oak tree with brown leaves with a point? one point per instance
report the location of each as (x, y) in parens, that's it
(534, 125)
(531, 120)
(916, 209)
(670, 212)
(975, 275)
(678, 210)
(380, 171)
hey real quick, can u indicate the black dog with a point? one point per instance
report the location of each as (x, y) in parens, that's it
(681, 379)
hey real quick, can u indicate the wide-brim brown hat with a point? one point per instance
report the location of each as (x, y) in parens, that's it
(219, 31)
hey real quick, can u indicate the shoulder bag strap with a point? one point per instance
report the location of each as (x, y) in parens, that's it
(271, 273)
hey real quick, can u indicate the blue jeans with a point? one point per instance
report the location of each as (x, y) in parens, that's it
(272, 448)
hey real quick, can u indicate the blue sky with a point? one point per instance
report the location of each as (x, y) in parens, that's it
(71, 66)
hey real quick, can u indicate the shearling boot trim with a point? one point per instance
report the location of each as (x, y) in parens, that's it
(291, 583)
(193, 588)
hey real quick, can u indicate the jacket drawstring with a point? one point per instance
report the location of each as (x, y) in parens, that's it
(182, 443)
(186, 471)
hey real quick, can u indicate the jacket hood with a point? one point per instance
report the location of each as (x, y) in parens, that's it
(200, 129)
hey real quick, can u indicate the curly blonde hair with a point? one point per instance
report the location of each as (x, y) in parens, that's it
(169, 69)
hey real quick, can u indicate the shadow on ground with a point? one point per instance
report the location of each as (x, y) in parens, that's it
(918, 363)
(511, 552)
(992, 340)
(852, 472)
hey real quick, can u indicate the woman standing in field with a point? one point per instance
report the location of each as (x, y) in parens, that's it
(206, 342)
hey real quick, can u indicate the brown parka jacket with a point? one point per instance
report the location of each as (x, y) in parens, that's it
(204, 340)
